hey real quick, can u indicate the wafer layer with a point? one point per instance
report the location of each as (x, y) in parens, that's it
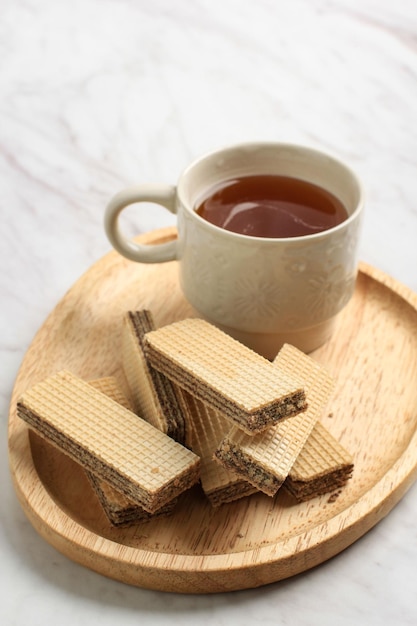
(152, 392)
(322, 466)
(266, 459)
(207, 428)
(224, 374)
(107, 439)
(111, 388)
(120, 510)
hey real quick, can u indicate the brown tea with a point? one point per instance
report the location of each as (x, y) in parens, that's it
(271, 206)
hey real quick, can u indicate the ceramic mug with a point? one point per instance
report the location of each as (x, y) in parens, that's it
(262, 291)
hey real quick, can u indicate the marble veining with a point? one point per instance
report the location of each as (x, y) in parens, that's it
(96, 96)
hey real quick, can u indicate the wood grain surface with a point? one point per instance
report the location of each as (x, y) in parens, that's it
(258, 540)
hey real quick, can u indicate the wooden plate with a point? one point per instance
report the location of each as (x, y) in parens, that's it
(255, 541)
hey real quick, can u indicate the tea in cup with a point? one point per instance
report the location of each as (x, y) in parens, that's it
(271, 206)
(267, 241)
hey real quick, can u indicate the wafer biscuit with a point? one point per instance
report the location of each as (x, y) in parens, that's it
(207, 428)
(322, 466)
(224, 374)
(119, 510)
(153, 394)
(266, 459)
(107, 439)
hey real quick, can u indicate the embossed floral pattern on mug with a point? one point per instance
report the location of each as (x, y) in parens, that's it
(298, 286)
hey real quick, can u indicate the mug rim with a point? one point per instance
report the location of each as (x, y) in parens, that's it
(283, 146)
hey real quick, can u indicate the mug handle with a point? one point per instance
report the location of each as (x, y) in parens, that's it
(159, 194)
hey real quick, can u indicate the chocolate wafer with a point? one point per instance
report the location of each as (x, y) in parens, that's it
(266, 459)
(153, 394)
(120, 510)
(224, 374)
(207, 428)
(107, 439)
(323, 466)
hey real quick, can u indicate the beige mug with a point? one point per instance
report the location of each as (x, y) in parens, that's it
(262, 291)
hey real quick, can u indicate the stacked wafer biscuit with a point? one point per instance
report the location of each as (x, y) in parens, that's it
(204, 408)
(113, 444)
(252, 417)
(224, 374)
(266, 459)
(204, 427)
(322, 466)
(120, 510)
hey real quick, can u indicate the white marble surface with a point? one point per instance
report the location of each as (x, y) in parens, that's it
(96, 95)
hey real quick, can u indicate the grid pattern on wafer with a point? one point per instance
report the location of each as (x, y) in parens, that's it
(321, 455)
(208, 427)
(119, 509)
(110, 387)
(109, 440)
(267, 458)
(335, 472)
(223, 372)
